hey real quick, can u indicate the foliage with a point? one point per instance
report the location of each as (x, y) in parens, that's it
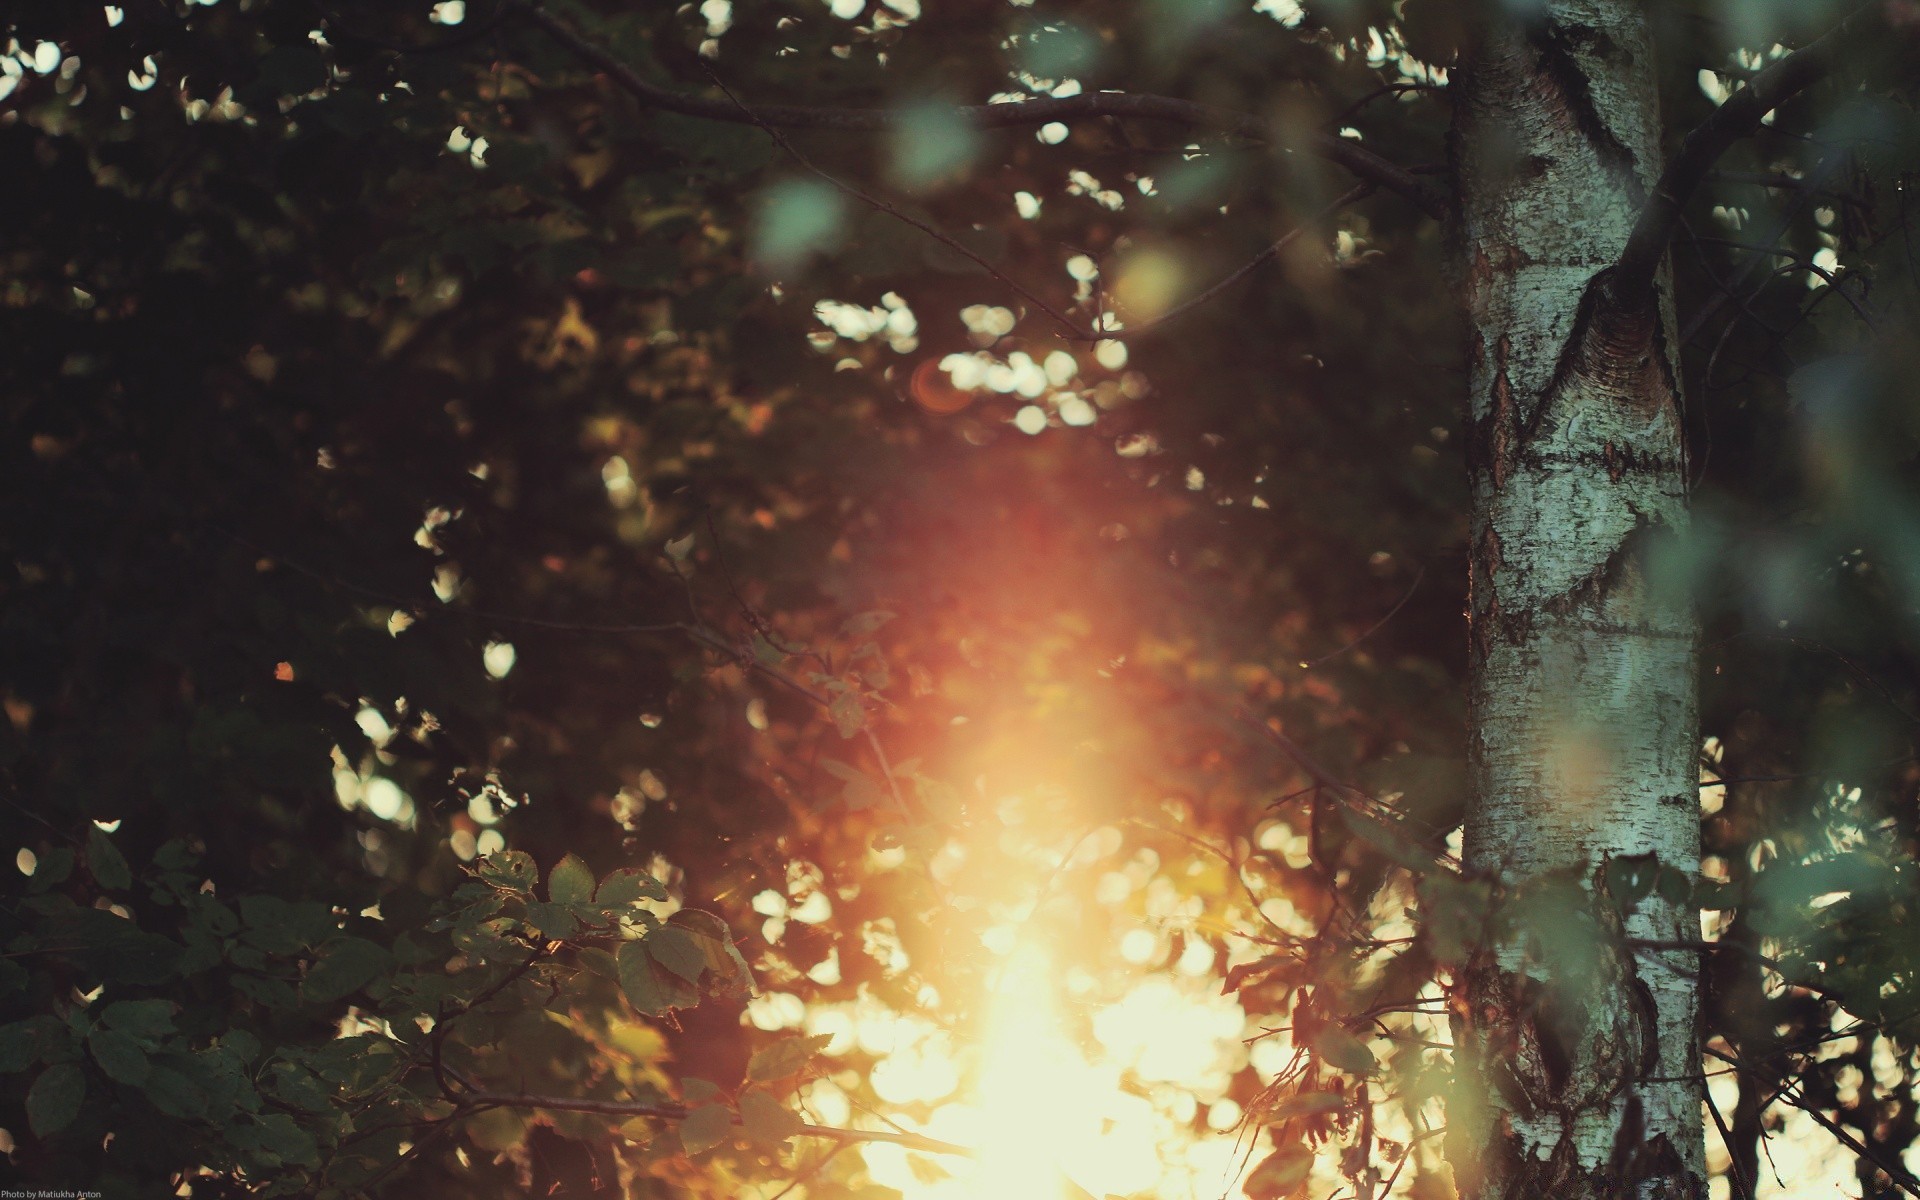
(428, 466)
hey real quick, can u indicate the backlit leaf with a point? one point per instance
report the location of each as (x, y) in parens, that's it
(571, 881)
(705, 1127)
(767, 1121)
(674, 949)
(785, 1057)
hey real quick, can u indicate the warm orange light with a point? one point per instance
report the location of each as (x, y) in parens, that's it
(934, 391)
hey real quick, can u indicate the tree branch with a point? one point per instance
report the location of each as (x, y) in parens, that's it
(1901, 1177)
(1072, 331)
(1631, 281)
(1344, 152)
(676, 1112)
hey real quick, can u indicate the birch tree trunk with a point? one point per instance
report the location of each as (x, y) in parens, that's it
(1581, 1068)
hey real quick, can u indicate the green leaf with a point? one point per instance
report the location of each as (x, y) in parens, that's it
(862, 624)
(1280, 1173)
(104, 860)
(1630, 878)
(54, 1099)
(571, 881)
(497, 1130)
(1453, 915)
(847, 713)
(705, 1127)
(729, 970)
(674, 949)
(282, 1136)
(767, 1121)
(24, 1043)
(513, 870)
(53, 868)
(555, 921)
(648, 986)
(1306, 1104)
(174, 1094)
(271, 993)
(599, 962)
(628, 885)
(1389, 839)
(298, 1087)
(119, 1055)
(1341, 1049)
(1712, 894)
(785, 1057)
(862, 791)
(13, 978)
(141, 1018)
(346, 965)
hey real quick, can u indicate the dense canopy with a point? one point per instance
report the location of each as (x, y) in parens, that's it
(564, 615)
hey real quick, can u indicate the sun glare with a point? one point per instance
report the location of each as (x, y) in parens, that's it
(1054, 1120)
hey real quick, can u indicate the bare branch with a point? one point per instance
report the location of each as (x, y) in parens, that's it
(1631, 281)
(781, 140)
(1069, 328)
(1273, 251)
(1901, 1177)
(676, 1112)
(1344, 152)
(1771, 964)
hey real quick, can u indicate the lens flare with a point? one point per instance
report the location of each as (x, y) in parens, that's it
(1033, 1088)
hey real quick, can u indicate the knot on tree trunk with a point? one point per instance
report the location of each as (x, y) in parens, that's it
(1615, 349)
(1558, 1027)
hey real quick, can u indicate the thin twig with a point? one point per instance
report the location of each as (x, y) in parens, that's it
(1247, 268)
(676, 1112)
(1743, 1190)
(1771, 964)
(1376, 627)
(805, 1176)
(477, 31)
(886, 769)
(1345, 152)
(1901, 1178)
(1067, 324)
(1631, 280)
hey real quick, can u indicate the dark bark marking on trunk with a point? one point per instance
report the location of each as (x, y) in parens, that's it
(1502, 442)
(1621, 568)
(1559, 48)
(1619, 461)
(1483, 563)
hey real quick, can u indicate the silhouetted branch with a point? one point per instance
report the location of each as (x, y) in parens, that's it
(1901, 1177)
(1631, 281)
(1771, 964)
(676, 1112)
(753, 117)
(1344, 152)
(1247, 268)
(1071, 329)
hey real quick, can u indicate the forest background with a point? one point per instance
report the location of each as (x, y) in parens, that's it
(567, 635)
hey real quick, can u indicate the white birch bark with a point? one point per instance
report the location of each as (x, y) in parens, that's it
(1581, 1069)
